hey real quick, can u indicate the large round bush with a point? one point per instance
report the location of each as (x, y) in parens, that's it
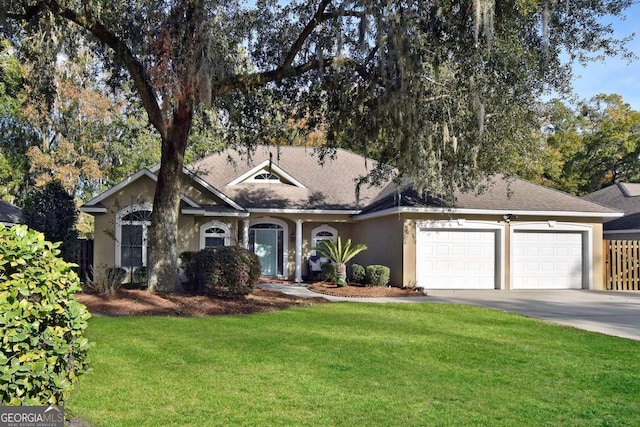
(44, 350)
(228, 271)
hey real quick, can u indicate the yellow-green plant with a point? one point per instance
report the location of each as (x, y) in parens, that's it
(43, 350)
(340, 254)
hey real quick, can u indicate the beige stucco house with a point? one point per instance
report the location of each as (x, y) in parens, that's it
(282, 202)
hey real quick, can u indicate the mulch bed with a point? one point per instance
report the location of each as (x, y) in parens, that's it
(135, 302)
(129, 302)
(364, 291)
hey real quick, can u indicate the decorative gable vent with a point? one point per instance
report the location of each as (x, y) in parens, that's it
(267, 172)
(266, 177)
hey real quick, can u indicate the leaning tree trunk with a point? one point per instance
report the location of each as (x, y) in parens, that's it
(163, 256)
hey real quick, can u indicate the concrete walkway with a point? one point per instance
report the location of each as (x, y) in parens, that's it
(611, 313)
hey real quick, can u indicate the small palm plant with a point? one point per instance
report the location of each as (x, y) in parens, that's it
(340, 254)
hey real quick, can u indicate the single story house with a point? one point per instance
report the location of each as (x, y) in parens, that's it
(624, 197)
(282, 202)
(9, 214)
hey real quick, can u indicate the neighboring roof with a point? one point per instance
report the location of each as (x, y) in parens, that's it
(9, 214)
(503, 195)
(624, 197)
(306, 183)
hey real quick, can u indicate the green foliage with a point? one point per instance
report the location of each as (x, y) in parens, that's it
(227, 271)
(51, 210)
(141, 276)
(44, 350)
(589, 145)
(338, 252)
(189, 266)
(329, 273)
(377, 275)
(358, 273)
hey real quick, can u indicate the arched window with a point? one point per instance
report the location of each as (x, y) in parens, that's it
(132, 229)
(214, 233)
(320, 233)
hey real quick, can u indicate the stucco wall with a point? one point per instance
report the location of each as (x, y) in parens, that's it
(384, 240)
(596, 248)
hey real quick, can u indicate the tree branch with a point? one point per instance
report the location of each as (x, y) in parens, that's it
(245, 81)
(304, 35)
(122, 51)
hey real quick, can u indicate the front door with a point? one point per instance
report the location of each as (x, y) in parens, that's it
(266, 247)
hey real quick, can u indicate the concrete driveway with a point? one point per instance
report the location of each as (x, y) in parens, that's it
(611, 313)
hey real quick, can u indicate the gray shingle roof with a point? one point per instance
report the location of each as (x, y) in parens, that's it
(502, 194)
(623, 197)
(9, 214)
(331, 185)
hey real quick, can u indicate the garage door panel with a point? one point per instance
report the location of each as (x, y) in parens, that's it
(447, 259)
(547, 260)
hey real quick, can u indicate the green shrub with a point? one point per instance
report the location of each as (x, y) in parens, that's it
(43, 347)
(188, 262)
(377, 275)
(105, 280)
(358, 273)
(52, 210)
(227, 271)
(329, 272)
(141, 277)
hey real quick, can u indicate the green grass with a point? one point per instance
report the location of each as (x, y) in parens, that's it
(357, 365)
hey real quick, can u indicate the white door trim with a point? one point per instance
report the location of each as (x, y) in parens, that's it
(551, 226)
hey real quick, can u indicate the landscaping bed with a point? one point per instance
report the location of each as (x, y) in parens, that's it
(135, 302)
(131, 302)
(328, 288)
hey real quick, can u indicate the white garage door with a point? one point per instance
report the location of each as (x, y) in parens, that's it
(546, 260)
(460, 259)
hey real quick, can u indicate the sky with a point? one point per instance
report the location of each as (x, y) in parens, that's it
(614, 75)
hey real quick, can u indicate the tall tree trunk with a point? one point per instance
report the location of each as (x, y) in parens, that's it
(163, 257)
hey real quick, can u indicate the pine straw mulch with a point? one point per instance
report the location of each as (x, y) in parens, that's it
(130, 302)
(364, 291)
(134, 302)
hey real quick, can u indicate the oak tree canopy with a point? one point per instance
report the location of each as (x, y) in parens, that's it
(444, 91)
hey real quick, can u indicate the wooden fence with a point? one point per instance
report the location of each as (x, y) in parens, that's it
(622, 265)
(84, 258)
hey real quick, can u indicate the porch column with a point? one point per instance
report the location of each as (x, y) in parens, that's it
(245, 233)
(298, 277)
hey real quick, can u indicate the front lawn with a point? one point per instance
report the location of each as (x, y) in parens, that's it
(356, 365)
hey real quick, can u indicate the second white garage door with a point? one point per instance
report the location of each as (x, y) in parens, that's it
(546, 260)
(460, 259)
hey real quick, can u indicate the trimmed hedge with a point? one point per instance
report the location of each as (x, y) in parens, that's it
(358, 273)
(377, 275)
(227, 271)
(188, 260)
(44, 350)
